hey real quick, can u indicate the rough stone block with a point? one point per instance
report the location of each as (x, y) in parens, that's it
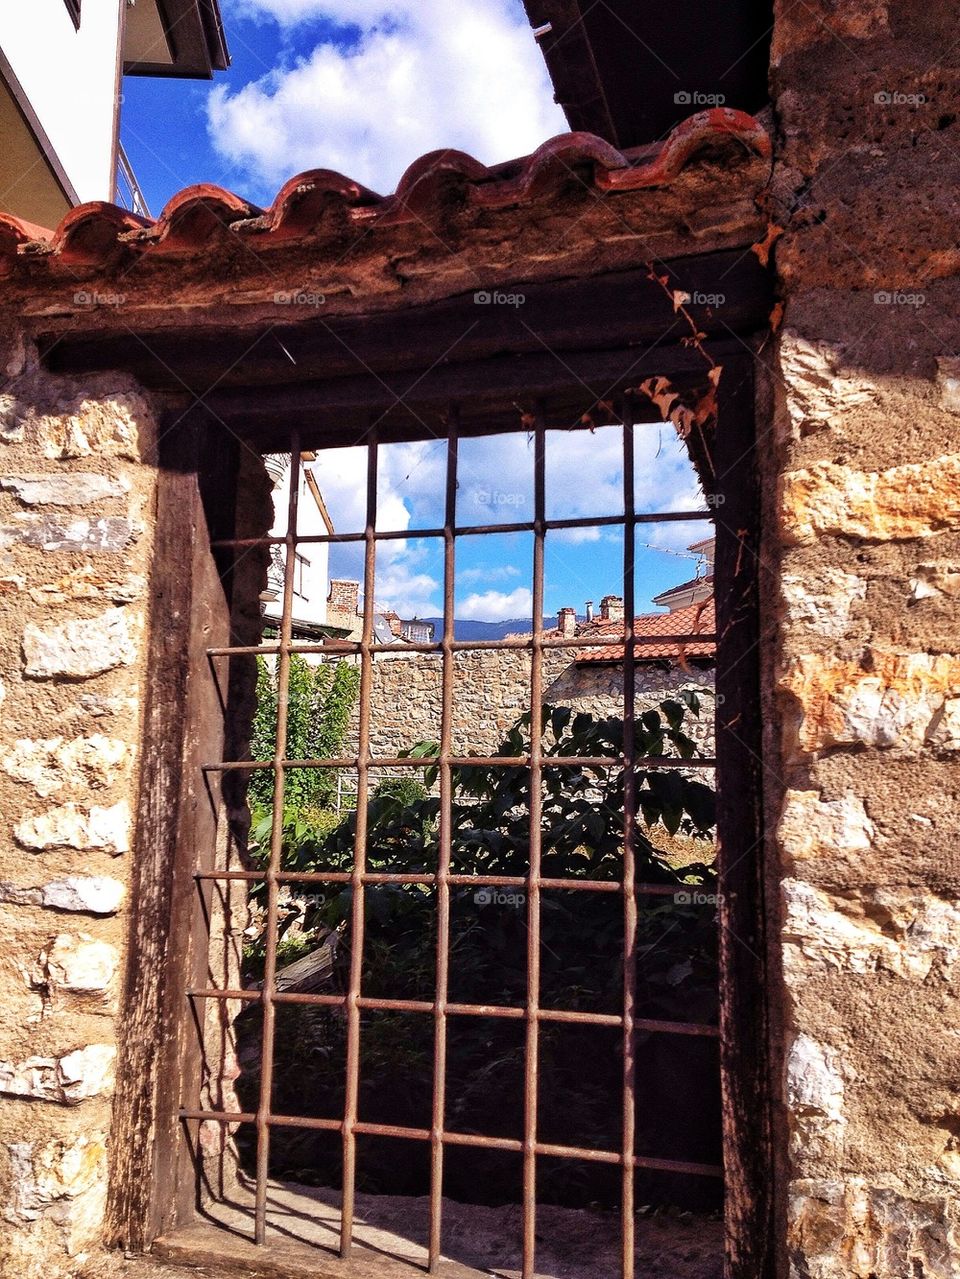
(80, 964)
(855, 1230)
(935, 580)
(51, 764)
(79, 649)
(105, 427)
(811, 827)
(910, 501)
(66, 488)
(896, 930)
(948, 382)
(888, 700)
(68, 1080)
(59, 533)
(63, 1180)
(94, 894)
(70, 826)
(815, 1097)
(11, 419)
(819, 391)
(88, 583)
(822, 603)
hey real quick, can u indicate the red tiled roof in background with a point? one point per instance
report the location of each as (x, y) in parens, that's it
(93, 232)
(695, 619)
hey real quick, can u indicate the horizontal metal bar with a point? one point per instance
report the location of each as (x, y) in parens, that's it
(460, 761)
(584, 1153)
(560, 1016)
(350, 647)
(465, 881)
(466, 530)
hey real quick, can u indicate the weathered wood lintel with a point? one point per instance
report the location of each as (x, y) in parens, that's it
(728, 293)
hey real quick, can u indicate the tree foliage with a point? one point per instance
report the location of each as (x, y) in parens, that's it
(320, 701)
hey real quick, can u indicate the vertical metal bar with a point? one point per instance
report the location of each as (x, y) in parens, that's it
(629, 850)
(443, 866)
(531, 1065)
(359, 864)
(276, 849)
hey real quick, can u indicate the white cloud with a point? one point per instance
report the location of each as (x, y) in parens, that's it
(422, 75)
(584, 478)
(495, 573)
(495, 606)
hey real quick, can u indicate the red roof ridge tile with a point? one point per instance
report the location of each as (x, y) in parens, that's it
(706, 128)
(692, 620)
(91, 230)
(194, 215)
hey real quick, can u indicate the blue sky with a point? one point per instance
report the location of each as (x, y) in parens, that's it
(365, 87)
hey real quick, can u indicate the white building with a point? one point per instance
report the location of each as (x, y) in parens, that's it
(699, 588)
(62, 64)
(311, 575)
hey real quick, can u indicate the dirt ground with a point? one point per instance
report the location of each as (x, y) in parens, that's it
(390, 1233)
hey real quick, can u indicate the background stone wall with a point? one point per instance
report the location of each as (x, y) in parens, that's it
(76, 490)
(492, 690)
(863, 483)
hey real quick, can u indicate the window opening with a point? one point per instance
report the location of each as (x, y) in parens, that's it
(480, 960)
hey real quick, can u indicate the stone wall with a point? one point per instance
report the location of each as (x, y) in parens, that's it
(863, 482)
(76, 488)
(492, 690)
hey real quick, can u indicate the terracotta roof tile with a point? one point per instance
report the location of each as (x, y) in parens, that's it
(695, 619)
(195, 216)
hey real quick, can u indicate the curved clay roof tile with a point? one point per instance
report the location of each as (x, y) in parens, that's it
(14, 232)
(301, 202)
(706, 128)
(426, 182)
(90, 232)
(550, 167)
(194, 215)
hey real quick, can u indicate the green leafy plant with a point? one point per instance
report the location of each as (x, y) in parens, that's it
(320, 701)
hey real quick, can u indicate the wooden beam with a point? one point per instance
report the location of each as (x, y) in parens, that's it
(730, 293)
(745, 1040)
(492, 394)
(177, 814)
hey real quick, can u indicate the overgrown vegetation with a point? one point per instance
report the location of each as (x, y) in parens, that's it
(582, 829)
(320, 701)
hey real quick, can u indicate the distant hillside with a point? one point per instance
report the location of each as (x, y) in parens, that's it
(464, 629)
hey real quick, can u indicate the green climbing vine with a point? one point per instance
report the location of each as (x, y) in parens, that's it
(321, 699)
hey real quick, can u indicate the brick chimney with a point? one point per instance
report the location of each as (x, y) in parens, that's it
(567, 622)
(611, 608)
(344, 597)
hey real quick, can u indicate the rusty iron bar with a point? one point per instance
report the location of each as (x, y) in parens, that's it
(461, 530)
(629, 861)
(352, 1090)
(508, 1011)
(442, 985)
(624, 646)
(467, 881)
(462, 761)
(352, 647)
(276, 852)
(535, 808)
(588, 1154)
